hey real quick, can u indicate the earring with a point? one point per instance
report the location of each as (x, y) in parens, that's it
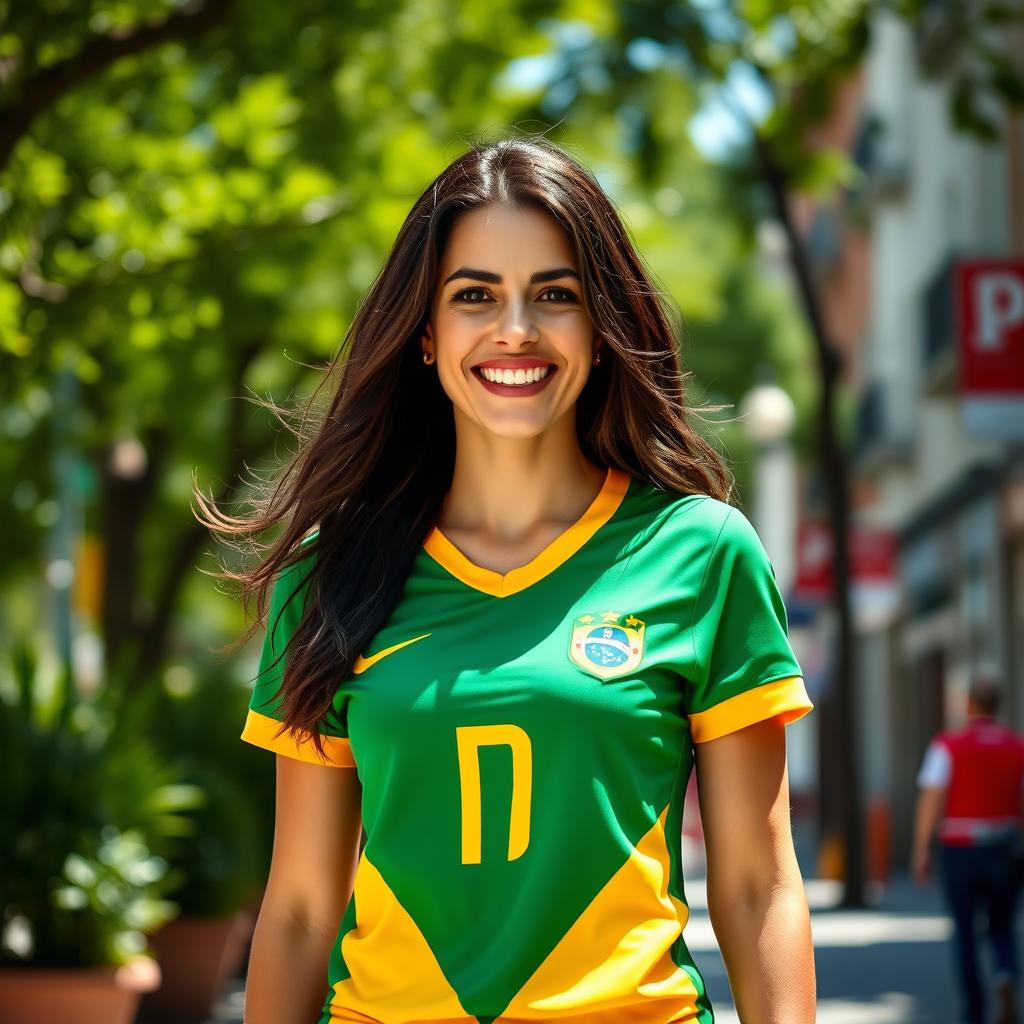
(428, 358)
(597, 358)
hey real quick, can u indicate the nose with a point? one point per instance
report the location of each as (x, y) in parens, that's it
(515, 326)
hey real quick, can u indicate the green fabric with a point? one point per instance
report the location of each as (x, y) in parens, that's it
(608, 754)
(288, 595)
(739, 629)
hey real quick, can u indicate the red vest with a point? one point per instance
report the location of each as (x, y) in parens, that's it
(983, 799)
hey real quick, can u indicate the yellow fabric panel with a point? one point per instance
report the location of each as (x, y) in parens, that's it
(566, 544)
(785, 698)
(625, 933)
(399, 978)
(261, 729)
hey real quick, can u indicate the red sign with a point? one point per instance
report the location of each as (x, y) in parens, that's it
(990, 326)
(873, 558)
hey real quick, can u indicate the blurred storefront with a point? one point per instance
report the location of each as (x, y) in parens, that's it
(932, 239)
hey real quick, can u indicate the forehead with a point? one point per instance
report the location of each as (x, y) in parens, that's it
(507, 236)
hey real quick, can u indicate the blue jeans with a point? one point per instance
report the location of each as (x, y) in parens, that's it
(980, 877)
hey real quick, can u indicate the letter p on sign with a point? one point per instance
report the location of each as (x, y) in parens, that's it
(990, 344)
(999, 302)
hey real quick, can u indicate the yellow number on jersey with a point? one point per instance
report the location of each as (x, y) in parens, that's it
(470, 738)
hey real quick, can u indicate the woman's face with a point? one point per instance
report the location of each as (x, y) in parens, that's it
(508, 306)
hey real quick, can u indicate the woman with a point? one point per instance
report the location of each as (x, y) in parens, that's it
(509, 607)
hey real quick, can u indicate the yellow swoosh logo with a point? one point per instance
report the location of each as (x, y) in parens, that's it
(362, 664)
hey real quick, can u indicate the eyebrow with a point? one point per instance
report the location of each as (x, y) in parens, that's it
(492, 278)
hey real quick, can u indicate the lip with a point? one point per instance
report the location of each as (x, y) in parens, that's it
(513, 390)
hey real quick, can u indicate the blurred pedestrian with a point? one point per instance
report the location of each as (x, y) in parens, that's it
(970, 790)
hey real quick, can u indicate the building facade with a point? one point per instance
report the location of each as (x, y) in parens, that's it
(934, 209)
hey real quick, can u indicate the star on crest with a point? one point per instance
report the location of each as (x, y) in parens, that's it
(609, 616)
(586, 618)
(632, 621)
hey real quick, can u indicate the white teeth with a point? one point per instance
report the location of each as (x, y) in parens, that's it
(513, 377)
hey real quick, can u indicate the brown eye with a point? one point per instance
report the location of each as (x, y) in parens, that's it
(565, 296)
(459, 296)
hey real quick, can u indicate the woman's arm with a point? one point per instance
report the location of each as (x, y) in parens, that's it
(317, 829)
(756, 896)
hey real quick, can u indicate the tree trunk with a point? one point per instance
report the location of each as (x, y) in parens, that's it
(833, 468)
(124, 503)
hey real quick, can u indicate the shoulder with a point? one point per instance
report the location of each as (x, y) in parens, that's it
(295, 576)
(694, 530)
(711, 529)
(306, 550)
(693, 520)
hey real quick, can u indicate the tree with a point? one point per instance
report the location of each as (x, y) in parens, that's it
(188, 192)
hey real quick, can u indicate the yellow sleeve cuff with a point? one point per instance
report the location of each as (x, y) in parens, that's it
(261, 731)
(783, 698)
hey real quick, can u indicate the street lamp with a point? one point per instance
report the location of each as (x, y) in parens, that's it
(768, 415)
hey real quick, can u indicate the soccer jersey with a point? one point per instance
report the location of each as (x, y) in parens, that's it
(524, 742)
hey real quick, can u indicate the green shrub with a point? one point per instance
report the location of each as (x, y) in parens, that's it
(92, 812)
(224, 863)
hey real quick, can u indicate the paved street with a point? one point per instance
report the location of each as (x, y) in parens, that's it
(887, 965)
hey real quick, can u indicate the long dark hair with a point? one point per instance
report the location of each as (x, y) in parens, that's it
(372, 468)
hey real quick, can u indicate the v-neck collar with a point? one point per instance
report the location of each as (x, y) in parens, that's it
(563, 547)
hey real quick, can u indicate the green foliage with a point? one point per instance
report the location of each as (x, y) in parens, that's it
(969, 44)
(198, 221)
(89, 815)
(108, 900)
(224, 863)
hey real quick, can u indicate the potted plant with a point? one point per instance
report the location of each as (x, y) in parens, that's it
(89, 814)
(222, 866)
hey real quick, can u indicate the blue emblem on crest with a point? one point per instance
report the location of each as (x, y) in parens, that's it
(607, 644)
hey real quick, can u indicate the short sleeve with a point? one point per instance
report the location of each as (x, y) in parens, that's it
(263, 721)
(744, 668)
(936, 767)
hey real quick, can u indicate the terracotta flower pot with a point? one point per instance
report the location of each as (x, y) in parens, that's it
(197, 957)
(85, 995)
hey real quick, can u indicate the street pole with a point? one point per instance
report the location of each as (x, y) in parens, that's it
(834, 471)
(60, 566)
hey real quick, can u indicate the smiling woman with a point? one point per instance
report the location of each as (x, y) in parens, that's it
(517, 336)
(509, 609)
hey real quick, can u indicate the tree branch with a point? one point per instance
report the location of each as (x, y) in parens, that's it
(34, 286)
(42, 90)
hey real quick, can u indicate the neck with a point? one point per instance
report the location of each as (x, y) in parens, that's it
(504, 487)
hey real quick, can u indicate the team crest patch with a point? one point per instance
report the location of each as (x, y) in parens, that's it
(608, 643)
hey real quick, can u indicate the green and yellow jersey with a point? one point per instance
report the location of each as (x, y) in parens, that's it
(524, 742)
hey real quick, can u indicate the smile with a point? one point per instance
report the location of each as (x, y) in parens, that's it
(514, 382)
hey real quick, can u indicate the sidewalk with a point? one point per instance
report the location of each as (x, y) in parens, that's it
(887, 965)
